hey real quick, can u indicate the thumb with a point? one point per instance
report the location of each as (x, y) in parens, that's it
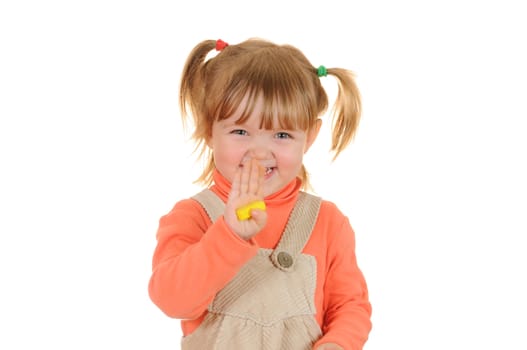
(259, 216)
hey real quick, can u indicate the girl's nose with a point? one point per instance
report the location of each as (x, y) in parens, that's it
(259, 150)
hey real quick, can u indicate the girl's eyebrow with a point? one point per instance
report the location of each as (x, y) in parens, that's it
(231, 124)
(227, 122)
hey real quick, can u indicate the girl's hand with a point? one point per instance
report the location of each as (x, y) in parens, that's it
(247, 187)
(329, 346)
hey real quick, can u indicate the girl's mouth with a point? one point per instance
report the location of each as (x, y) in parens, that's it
(269, 171)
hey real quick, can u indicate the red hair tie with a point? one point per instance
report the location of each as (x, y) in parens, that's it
(220, 45)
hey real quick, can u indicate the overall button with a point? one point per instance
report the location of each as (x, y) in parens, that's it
(284, 259)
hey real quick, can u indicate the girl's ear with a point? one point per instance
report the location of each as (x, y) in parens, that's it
(312, 134)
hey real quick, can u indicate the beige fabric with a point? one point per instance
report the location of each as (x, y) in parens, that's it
(212, 204)
(266, 306)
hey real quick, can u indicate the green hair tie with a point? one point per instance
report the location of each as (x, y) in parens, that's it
(322, 71)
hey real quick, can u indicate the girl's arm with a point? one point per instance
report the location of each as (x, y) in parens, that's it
(346, 303)
(193, 260)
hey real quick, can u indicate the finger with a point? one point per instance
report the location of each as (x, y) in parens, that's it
(261, 174)
(245, 175)
(259, 216)
(254, 182)
(235, 189)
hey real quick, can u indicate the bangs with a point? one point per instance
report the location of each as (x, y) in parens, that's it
(281, 88)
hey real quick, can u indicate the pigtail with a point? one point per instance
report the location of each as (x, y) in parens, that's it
(190, 90)
(346, 110)
(191, 102)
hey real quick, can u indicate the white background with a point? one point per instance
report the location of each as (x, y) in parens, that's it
(92, 154)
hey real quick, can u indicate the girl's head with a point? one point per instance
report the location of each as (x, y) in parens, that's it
(273, 88)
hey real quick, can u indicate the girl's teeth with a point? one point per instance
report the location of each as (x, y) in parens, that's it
(268, 170)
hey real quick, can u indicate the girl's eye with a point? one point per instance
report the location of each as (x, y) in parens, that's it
(239, 132)
(283, 135)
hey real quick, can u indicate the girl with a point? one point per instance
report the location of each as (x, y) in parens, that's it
(254, 261)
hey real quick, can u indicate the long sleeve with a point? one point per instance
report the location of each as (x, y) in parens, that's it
(193, 260)
(347, 310)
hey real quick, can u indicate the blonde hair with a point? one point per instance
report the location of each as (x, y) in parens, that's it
(212, 90)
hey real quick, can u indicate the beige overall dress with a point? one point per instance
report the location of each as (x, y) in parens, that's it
(270, 302)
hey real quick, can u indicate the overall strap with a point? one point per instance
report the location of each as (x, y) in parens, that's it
(297, 231)
(212, 204)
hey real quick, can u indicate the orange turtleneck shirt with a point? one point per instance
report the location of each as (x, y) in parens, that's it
(195, 258)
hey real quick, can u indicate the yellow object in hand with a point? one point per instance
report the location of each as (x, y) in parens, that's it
(244, 212)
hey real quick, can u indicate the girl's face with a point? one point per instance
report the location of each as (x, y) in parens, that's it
(278, 151)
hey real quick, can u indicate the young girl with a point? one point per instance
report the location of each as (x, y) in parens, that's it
(254, 261)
